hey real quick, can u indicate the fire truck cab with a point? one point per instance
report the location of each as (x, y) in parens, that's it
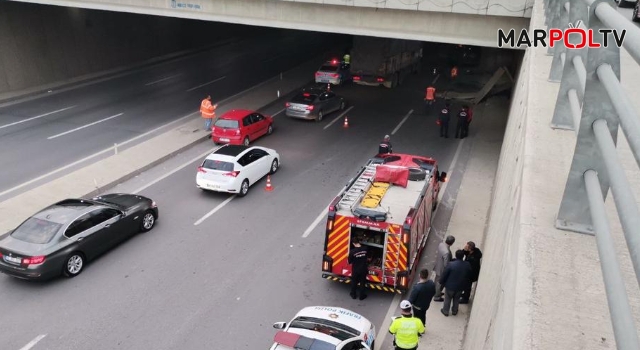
(389, 205)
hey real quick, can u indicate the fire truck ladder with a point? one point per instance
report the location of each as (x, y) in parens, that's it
(359, 187)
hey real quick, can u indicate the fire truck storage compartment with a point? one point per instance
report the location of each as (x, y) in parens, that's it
(374, 241)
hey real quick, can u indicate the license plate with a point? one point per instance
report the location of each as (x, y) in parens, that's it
(12, 259)
(213, 186)
(224, 140)
(324, 80)
(299, 108)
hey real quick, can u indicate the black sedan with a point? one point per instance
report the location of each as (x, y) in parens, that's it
(61, 238)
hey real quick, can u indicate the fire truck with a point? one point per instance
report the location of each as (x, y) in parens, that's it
(389, 205)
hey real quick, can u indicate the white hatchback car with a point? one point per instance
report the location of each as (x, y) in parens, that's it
(325, 328)
(234, 169)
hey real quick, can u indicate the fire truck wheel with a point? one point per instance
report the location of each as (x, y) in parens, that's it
(274, 166)
(244, 188)
(416, 174)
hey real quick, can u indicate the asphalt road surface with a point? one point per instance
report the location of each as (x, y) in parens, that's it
(220, 284)
(44, 134)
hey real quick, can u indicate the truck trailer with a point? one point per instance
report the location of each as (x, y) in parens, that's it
(383, 61)
(389, 206)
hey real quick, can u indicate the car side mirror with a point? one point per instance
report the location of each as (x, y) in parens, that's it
(280, 325)
(443, 177)
(365, 346)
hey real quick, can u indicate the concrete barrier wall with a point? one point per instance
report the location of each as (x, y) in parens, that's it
(491, 324)
(41, 44)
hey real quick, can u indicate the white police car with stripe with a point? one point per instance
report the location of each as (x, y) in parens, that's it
(325, 328)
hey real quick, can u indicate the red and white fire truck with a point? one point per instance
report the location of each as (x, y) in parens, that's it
(389, 205)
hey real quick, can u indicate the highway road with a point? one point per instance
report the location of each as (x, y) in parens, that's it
(218, 270)
(44, 134)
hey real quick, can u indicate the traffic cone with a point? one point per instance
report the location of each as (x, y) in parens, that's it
(269, 187)
(346, 122)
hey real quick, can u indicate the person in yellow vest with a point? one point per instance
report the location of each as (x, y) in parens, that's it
(208, 112)
(406, 329)
(346, 59)
(454, 72)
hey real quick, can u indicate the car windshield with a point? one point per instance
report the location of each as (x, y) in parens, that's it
(331, 328)
(328, 69)
(213, 164)
(37, 231)
(304, 98)
(227, 123)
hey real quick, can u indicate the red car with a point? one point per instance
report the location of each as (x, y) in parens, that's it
(240, 127)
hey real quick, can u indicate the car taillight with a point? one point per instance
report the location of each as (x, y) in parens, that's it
(335, 75)
(309, 108)
(232, 174)
(380, 80)
(34, 260)
(356, 78)
(201, 170)
(287, 104)
(318, 73)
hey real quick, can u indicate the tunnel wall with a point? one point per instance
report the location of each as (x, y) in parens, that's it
(491, 324)
(42, 44)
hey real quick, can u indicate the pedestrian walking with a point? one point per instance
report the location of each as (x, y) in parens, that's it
(359, 268)
(462, 122)
(455, 279)
(442, 260)
(443, 120)
(473, 255)
(208, 112)
(385, 146)
(407, 329)
(421, 295)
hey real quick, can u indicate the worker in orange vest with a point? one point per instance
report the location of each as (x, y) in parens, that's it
(454, 72)
(430, 96)
(208, 112)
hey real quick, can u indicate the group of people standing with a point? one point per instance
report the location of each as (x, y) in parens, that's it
(454, 276)
(464, 117)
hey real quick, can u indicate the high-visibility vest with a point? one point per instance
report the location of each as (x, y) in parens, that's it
(454, 72)
(431, 91)
(406, 331)
(206, 108)
(346, 58)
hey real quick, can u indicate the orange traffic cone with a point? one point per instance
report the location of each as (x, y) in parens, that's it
(269, 187)
(346, 122)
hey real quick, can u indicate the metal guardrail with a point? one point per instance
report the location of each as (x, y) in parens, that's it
(591, 102)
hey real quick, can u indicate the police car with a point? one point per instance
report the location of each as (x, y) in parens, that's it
(325, 328)
(333, 72)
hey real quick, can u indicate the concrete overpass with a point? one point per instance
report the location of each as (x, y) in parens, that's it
(462, 22)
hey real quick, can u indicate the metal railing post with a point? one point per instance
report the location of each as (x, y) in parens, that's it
(573, 75)
(554, 21)
(562, 22)
(574, 212)
(624, 328)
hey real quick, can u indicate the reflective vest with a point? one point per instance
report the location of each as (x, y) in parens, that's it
(454, 72)
(346, 58)
(206, 108)
(406, 330)
(431, 92)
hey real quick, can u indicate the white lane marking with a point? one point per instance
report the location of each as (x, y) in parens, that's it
(402, 122)
(214, 210)
(84, 126)
(338, 117)
(161, 80)
(435, 79)
(36, 117)
(384, 329)
(315, 223)
(205, 84)
(449, 172)
(278, 112)
(175, 170)
(33, 342)
(92, 156)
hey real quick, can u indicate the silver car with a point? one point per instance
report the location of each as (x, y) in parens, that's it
(314, 104)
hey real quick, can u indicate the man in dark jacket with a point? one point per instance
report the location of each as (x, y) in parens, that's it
(359, 268)
(385, 145)
(421, 295)
(473, 256)
(455, 279)
(462, 122)
(444, 121)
